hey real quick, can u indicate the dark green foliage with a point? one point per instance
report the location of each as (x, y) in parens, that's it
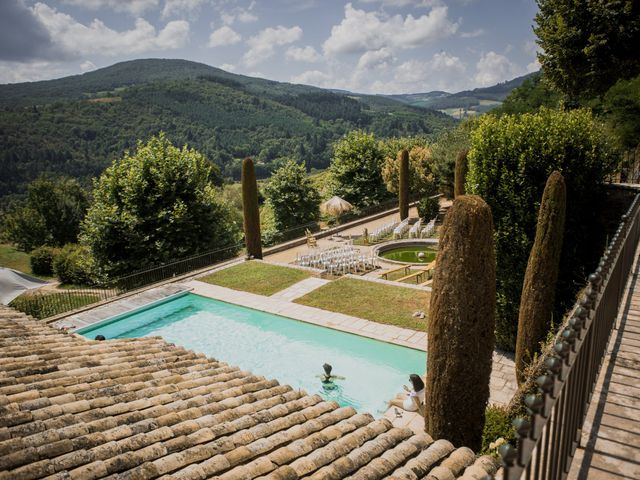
(622, 111)
(42, 260)
(445, 151)
(293, 198)
(155, 206)
(77, 125)
(74, 265)
(51, 214)
(356, 169)
(530, 96)
(251, 213)
(538, 291)
(403, 187)
(428, 208)
(510, 160)
(461, 172)
(588, 45)
(45, 305)
(497, 424)
(461, 325)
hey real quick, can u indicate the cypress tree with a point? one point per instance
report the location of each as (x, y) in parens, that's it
(460, 173)
(403, 187)
(250, 211)
(538, 290)
(461, 324)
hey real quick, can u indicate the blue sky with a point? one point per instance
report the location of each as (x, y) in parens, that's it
(371, 46)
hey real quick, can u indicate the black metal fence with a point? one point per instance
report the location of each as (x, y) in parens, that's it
(548, 437)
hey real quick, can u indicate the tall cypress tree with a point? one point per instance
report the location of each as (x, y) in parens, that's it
(460, 173)
(461, 323)
(539, 288)
(250, 210)
(403, 187)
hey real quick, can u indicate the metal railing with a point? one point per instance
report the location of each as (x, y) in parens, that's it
(548, 437)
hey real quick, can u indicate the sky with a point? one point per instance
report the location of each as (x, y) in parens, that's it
(367, 46)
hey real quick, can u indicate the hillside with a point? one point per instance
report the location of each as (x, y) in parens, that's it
(77, 125)
(467, 102)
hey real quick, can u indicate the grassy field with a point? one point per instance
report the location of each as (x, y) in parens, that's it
(256, 277)
(373, 301)
(12, 258)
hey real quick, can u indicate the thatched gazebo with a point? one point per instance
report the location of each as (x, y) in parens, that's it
(336, 206)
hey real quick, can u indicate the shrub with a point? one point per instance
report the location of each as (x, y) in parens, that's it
(509, 162)
(421, 176)
(42, 260)
(461, 325)
(44, 305)
(497, 425)
(428, 208)
(538, 291)
(403, 188)
(74, 265)
(251, 213)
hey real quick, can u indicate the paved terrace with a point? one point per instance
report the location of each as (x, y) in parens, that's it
(610, 444)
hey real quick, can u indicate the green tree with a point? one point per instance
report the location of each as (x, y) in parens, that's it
(510, 159)
(51, 215)
(622, 111)
(588, 44)
(292, 196)
(251, 213)
(421, 177)
(445, 150)
(539, 288)
(530, 96)
(461, 325)
(403, 185)
(460, 173)
(155, 206)
(356, 169)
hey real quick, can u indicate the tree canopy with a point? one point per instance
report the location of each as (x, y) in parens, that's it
(588, 44)
(154, 206)
(51, 214)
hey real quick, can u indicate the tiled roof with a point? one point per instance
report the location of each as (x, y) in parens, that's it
(142, 408)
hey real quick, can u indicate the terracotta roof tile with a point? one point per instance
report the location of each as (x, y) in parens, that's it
(141, 409)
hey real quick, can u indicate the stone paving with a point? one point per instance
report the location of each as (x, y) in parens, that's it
(610, 443)
(300, 289)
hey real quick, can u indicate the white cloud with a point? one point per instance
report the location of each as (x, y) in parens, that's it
(307, 54)
(404, 3)
(133, 7)
(473, 34)
(493, 68)
(375, 59)
(262, 45)
(313, 77)
(360, 31)
(87, 65)
(442, 72)
(228, 67)
(224, 36)
(77, 39)
(182, 8)
(15, 72)
(239, 14)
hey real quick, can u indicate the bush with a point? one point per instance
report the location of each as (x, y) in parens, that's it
(510, 160)
(42, 260)
(497, 425)
(428, 208)
(44, 305)
(421, 176)
(74, 265)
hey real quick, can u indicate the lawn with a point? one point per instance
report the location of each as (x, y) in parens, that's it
(256, 277)
(373, 301)
(12, 258)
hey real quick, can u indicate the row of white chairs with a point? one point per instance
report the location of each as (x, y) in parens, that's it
(382, 231)
(341, 260)
(414, 232)
(429, 229)
(401, 229)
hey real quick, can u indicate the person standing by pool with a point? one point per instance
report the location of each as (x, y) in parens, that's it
(413, 400)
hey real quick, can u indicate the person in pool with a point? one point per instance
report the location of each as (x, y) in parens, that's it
(327, 376)
(413, 400)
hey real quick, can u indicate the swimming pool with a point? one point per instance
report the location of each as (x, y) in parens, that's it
(276, 347)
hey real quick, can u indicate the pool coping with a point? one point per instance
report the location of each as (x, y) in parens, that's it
(403, 337)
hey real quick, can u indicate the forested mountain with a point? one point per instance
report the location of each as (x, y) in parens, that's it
(77, 125)
(478, 100)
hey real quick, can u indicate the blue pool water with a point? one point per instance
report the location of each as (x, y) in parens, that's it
(277, 347)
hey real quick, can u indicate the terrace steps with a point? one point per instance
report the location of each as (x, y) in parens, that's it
(144, 408)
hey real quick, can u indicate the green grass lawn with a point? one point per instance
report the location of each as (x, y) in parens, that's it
(373, 301)
(256, 277)
(12, 258)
